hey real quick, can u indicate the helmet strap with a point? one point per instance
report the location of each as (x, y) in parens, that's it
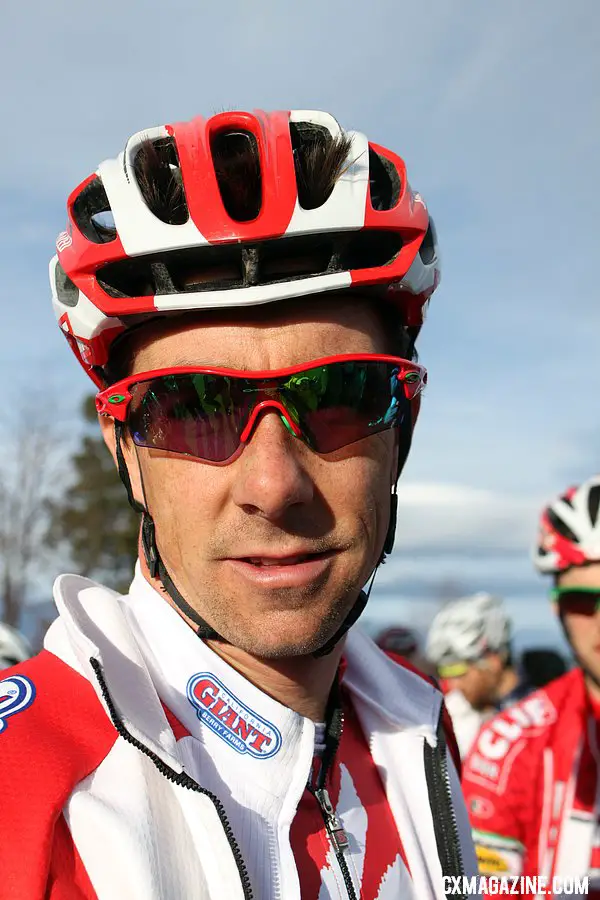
(123, 470)
(388, 544)
(156, 567)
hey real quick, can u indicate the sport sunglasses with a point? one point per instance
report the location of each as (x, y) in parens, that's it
(209, 413)
(584, 601)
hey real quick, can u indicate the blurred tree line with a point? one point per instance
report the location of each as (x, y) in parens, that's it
(60, 511)
(92, 519)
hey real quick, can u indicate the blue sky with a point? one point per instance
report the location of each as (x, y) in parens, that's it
(494, 106)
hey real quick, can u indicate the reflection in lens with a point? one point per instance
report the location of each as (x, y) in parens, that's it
(203, 415)
(344, 402)
(196, 415)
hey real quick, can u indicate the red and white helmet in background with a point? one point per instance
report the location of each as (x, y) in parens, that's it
(569, 532)
(118, 263)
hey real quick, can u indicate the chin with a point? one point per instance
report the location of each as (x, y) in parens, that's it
(278, 642)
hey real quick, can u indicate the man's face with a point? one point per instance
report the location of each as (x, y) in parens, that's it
(583, 628)
(480, 681)
(278, 499)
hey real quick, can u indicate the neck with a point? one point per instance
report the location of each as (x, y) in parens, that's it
(301, 683)
(508, 682)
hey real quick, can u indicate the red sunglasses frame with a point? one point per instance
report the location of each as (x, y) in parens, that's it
(114, 401)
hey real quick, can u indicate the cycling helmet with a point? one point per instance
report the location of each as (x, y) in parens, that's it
(569, 532)
(125, 257)
(399, 640)
(14, 648)
(465, 630)
(232, 211)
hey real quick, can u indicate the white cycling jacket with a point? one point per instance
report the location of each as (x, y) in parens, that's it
(118, 806)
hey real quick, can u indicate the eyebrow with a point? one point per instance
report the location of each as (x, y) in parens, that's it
(182, 362)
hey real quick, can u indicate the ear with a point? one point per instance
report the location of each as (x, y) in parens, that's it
(107, 427)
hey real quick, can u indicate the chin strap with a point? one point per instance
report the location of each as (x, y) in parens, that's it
(158, 569)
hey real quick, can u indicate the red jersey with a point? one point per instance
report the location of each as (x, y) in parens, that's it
(531, 782)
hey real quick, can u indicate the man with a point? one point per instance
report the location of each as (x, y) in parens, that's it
(532, 778)
(469, 643)
(245, 291)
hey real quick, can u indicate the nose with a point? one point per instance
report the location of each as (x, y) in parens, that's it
(270, 475)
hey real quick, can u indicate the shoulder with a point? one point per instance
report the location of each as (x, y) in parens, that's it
(50, 714)
(53, 733)
(513, 740)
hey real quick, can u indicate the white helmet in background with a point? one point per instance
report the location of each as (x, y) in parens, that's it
(465, 630)
(14, 648)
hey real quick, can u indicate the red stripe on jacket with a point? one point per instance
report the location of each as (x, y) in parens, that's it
(47, 749)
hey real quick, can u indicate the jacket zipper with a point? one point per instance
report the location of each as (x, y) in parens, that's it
(180, 778)
(335, 830)
(440, 801)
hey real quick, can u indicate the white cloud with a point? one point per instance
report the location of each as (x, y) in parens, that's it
(437, 516)
(477, 538)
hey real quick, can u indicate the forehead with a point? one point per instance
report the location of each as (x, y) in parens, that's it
(269, 336)
(581, 576)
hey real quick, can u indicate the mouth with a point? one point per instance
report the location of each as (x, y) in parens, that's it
(298, 570)
(270, 561)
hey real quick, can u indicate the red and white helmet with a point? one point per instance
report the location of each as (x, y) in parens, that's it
(570, 530)
(119, 263)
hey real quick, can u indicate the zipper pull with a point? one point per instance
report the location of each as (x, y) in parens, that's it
(338, 836)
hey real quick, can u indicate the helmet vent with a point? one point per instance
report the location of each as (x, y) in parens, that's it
(384, 182)
(227, 266)
(367, 249)
(594, 503)
(428, 245)
(66, 291)
(93, 215)
(237, 167)
(158, 173)
(561, 527)
(319, 159)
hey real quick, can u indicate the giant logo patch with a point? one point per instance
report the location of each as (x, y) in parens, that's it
(16, 694)
(244, 730)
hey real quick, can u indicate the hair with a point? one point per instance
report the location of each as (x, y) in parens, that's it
(320, 159)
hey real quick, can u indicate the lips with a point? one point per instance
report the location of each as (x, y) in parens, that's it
(280, 560)
(292, 571)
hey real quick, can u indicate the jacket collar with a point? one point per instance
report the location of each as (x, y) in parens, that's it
(97, 628)
(396, 694)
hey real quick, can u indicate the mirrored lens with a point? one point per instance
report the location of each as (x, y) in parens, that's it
(581, 603)
(203, 414)
(198, 415)
(338, 404)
